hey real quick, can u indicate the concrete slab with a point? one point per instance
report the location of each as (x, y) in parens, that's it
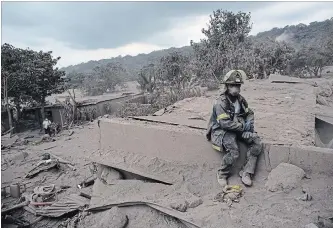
(155, 151)
(177, 145)
(324, 113)
(328, 119)
(276, 78)
(311, 159)
(172, 153)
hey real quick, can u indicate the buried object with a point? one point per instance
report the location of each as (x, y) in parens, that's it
(8, 219)
(43, 166)
(68, 204)
(306, 196)
(46, 156)
(15, 190)
(87, 182)
(124, 193)
(230, 194)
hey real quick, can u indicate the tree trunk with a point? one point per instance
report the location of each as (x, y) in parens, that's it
(10, 120)
(320, 69)
(315, 72)
(42, 110)
(265, 73)
(18, 111)
(261, 73)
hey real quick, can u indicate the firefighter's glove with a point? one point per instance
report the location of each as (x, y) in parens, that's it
(247, 135)
(248, 126)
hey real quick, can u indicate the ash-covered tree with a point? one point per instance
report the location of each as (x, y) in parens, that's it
(11, 78)
(268, 56)
(75, 79)
(147, 77)
(310, 59)
(224, 45)
(28, 77)
(15, 78)
(173, 70)
(46, 78)
(104, 79)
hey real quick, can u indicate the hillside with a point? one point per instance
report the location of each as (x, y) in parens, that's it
(295, 34)
(131, 63)
(301, 33)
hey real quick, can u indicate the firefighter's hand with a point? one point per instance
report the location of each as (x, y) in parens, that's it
(248, 126)
(247, 135)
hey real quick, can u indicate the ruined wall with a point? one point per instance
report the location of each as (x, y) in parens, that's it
(142, 99)
(56, 116)
(93, 110)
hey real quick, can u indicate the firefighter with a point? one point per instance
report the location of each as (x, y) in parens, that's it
(232, 120)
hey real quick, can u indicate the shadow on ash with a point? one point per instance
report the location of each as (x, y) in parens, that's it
(160, 175)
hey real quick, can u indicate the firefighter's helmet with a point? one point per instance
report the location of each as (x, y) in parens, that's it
(234, 77)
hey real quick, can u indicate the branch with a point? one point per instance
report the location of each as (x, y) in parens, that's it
(72, 97)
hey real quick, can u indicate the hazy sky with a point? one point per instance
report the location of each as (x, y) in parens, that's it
(83, 31)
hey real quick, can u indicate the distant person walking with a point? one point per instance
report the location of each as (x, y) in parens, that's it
(46, 126)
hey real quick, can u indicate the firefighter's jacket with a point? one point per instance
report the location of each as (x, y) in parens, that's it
(223, 116)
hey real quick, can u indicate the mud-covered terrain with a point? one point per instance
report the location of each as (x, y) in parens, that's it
(284, 113)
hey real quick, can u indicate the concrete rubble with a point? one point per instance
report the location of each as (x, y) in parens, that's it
(159, 170)
(285, 177)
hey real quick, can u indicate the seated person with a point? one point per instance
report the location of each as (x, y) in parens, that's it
(232, 120)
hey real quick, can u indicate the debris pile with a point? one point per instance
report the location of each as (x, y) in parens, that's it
(284, 177)
(324, 93)
(229, 194)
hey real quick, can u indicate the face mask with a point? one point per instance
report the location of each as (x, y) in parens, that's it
(234, 90)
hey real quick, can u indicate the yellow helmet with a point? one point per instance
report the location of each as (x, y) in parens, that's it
(234, 77)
